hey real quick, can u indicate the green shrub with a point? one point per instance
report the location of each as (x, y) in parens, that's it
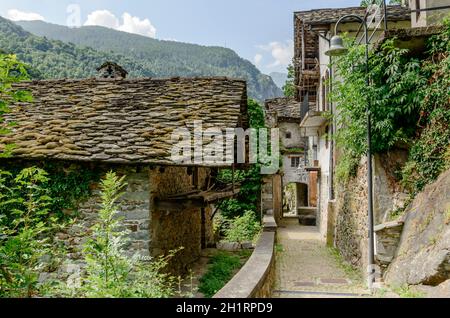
(243, 228)
(250, 179)
(11, 71)
(393, 96)
(429, 155)
(110, 273)
(409, 105)
(220, 271)
(25, 231)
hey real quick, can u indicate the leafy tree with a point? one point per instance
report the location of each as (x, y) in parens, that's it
(11, 71)
(409, 106)
(289, 88)
(250, 179)
(24, 231)
(430, 152)
(393, 96)
(243, 228)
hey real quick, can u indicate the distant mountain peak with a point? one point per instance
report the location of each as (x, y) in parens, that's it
(279, 78)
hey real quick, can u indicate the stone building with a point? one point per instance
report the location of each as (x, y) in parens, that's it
(284, 114)
(126, 125)
(313, 83)
(428, 12)
(342, 212)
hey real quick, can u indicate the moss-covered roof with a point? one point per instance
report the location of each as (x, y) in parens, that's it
(284, 107)
(332, 15)
(120, 121)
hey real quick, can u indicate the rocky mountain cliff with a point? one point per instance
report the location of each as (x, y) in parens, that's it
(423, 256)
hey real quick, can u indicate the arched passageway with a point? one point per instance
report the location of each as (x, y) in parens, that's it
(295, 196)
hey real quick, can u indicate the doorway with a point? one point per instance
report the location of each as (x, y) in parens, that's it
(295, 196)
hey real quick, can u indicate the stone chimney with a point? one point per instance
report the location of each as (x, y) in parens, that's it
(111, 70)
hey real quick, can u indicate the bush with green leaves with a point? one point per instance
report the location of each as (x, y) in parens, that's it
(26, 228)
(250, 179)
(409, 105)
(430, 152)
(243, 228)
(110, 272)
(289, 86)
(220, 271)
(11, 71)
(394, 102)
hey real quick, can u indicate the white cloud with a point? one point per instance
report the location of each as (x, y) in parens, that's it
(282, 53)
(17, 15)
(129, 23)
(103, 18)
(257, 59)
(135, 25)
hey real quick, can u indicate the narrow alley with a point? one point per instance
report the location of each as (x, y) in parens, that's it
(306, 268)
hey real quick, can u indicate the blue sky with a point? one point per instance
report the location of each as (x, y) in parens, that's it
(258, 30)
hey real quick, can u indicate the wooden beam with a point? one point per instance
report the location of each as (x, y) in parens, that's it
(178, 205)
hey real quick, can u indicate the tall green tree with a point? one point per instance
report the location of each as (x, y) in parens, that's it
(289, 88)
(11, 71)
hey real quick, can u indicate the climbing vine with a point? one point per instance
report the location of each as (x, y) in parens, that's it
(409, 100)
(430, 151)
(67, 185)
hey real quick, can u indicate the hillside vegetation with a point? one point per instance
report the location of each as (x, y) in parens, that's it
(56, 51)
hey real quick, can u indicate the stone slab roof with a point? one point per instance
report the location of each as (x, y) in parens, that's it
(408, 35)
(330, 16)
(119, 121)
(284, 107)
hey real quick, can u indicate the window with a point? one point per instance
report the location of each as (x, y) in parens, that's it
(288, 135)
(324, 95)
(295, 162)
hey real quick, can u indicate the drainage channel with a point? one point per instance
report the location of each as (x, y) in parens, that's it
(299, 292)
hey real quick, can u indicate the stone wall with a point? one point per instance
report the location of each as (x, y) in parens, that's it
(351, 219)
(256, 279)
(178, 227)
(153, 232)
(133, 207)
(351, 232)
(295, 139)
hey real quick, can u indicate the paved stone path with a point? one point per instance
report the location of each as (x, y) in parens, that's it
(306, 268)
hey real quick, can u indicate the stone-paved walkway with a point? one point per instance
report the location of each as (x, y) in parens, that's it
(306, 268)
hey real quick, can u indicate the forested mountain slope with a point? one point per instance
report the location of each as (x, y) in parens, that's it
(141, 56)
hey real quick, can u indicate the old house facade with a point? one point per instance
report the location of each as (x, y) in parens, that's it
(126, 125)
(428, 12)
(342, 209)
(313, 83)
(284, 114)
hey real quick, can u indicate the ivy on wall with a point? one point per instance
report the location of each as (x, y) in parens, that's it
(409, 103)
(67, 184)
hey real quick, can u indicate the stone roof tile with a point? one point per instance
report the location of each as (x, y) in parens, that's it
(332, 15)
(284, 107)
(119, 121)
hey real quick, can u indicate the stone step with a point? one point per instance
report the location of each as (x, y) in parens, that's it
(308, 220)
(307, 211)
